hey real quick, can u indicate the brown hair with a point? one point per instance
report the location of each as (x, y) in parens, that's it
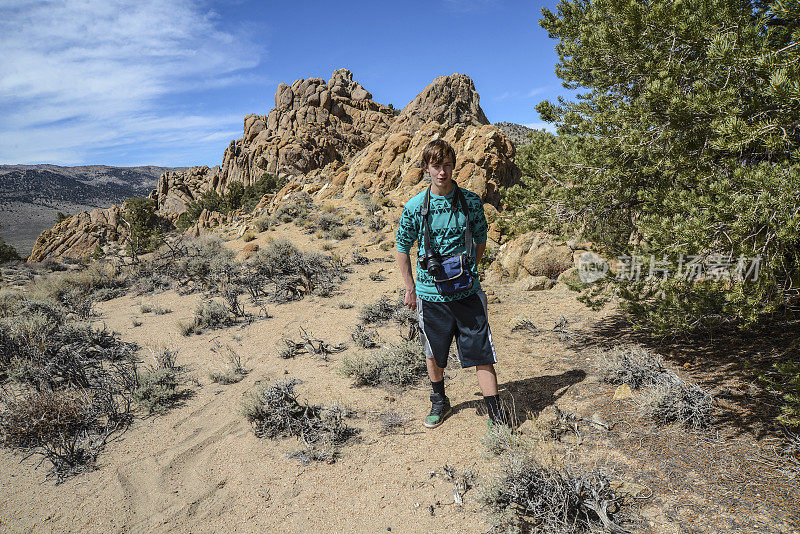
(437, 151)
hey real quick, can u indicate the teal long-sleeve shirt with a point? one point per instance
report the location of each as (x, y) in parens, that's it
(447, 236)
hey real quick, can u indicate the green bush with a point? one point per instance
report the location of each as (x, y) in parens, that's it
(237, 196)
(8, 252)
(145, 226)
(679, 143)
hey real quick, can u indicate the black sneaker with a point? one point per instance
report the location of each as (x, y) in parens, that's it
(440, 409)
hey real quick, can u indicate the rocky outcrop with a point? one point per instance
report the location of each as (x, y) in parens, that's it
(448, 108)
(331, 139)
(176, 189)
(484, 162)
(532, 256)
(313, 124)
(78, 236)
(449, 101)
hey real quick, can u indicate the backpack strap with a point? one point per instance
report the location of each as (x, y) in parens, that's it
(425, 224)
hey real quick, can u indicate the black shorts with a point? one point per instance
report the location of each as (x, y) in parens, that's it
(463, 319)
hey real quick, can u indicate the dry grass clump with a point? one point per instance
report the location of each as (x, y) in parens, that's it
(396, 364)
(391, 421)
(528, 496)
(631, 365)
(67, 387)
(157, 385)
(275, 412)
(669, 398)
(676, 401)
(365, 338)
(500, 439)
(151, 307)
(232, 371)
(60, 425)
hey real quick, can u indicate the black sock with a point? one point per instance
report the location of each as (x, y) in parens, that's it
(438, 387)
(493, 407)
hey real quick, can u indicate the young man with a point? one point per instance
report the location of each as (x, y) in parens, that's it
(442, 317)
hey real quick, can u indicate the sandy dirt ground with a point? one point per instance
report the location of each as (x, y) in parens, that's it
(200, 468)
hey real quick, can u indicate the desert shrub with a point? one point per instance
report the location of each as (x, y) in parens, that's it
(8, 252)
(668, 398)
(237, 196)
(77, 290)
(290, 273)
(379, 312)
(391, 421)
(631, 365)
(375, 224)
(261, 224)
(364, 338)
(673, 400)
(195, 264)
(296, 208)
(248, 236)
(157, 385)
(328, 221)
(400, 365)
(62, 426)
(211, 315)
(72, 384)
(527, 495)
(144, 225)
(784, 379)
(384, 310)
(339, 233)
(274, 412)
(372, 205)
(359, 258)
(232, 371)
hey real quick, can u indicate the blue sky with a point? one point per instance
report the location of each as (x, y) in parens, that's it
(135, 82)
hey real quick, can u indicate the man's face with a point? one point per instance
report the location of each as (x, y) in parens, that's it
(441, 173)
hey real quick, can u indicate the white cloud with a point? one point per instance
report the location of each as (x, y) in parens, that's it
(536, 91)
(85, 75)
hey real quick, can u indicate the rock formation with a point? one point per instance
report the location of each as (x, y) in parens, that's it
(78, 236)
(176, 189)
(331, 139)
(533, 258)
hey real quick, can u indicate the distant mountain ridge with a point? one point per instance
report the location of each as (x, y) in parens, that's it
(31, 195)
(86, 184)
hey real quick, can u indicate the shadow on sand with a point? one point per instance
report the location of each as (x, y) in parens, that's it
(726, 362)
(530, 395)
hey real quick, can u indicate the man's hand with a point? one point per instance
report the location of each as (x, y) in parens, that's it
(411, 299)
(404, 262)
